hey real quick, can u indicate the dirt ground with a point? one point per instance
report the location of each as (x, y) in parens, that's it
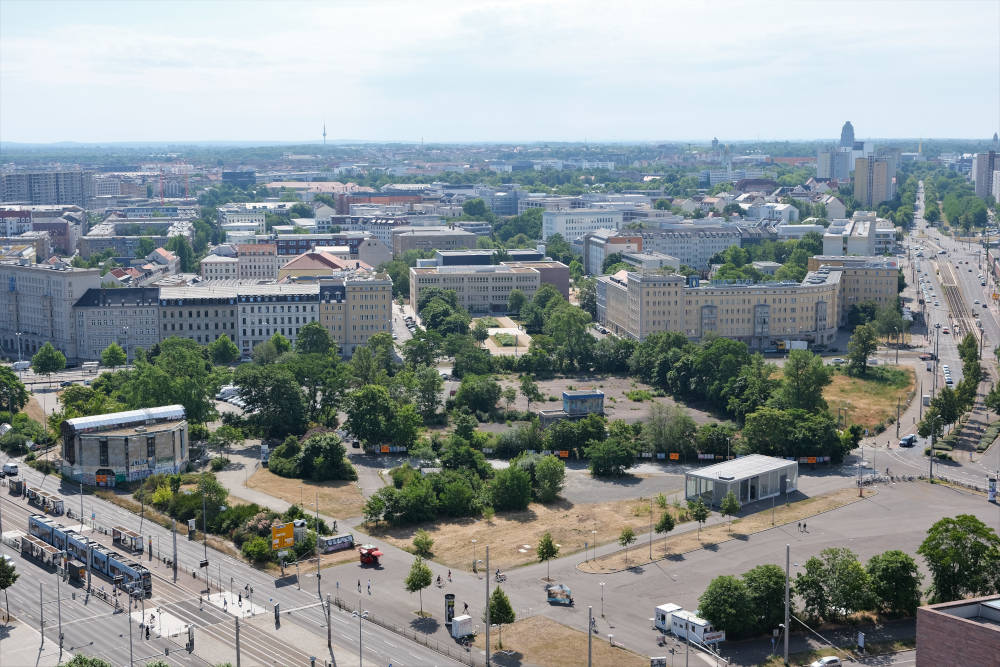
(741, 528)
(868, 403)
(336, 499)
(541, 641)
(513, 536)
(34, 410)
(616, 404)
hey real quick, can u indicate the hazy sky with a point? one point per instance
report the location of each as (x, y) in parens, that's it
(496, 71)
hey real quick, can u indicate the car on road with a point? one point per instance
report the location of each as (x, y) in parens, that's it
(946, 329)
(982, 283)
(66, 383)
(837, 361)
(984, 305)
(976, 302)
(827, 661)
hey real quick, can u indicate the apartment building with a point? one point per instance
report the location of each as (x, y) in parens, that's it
(692, 244)
(354, 307)
(36, 306)
(40, 241)
(124, 235)
(14, 221)
(316, 265)
(638, 304)
(219, 267)
(864, 235)
(265, 310)
(599, 244)
(238, 216)
(575, 223)
(431, 238)
(201, 313)
(874, 180)
(480, 289)
(128, 316)
(983, 167)
(48, 187)
(258, 261)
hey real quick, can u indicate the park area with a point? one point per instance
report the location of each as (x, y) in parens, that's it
(506, 337)
(871, 400)
(339, 499)
(538, 640)
(513, 536)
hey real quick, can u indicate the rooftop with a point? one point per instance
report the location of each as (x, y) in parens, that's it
(742, 468)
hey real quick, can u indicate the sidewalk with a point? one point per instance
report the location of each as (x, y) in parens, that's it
(20, 644)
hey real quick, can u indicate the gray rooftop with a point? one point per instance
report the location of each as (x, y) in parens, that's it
(742, 468)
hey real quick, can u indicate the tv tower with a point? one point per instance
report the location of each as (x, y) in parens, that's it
(324, 133)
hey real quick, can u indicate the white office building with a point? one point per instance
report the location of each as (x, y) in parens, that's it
(574, 223)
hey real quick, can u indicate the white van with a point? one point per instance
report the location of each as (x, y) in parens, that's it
(21, 365)
(10, 469)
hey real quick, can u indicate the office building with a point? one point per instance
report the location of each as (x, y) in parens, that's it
(430, 238)
(575, 223)
(40, 241)
(239, 217)
(48, 187)
(128, 316)
(37, 302)
(983, 166)
(125, 446)
(847, 135)
(864, 234)
(862, 279)
(240, 179)
(484, 257)
(692, 244)
(651, 261)
(480, 289)
(597, 245)
(355, 306)
(14, 221)
(961, 632)
(874, 180)
(123, 236)
(550, 272)
(265, 310)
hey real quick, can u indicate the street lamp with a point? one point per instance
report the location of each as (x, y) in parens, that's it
(19, 334)
(594, 533)
(602, 599)
(361, 615)
(474, 561)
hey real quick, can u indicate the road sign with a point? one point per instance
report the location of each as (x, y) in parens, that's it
(282, 536)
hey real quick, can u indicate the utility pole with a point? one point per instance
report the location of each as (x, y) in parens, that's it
(319, 590)
(897, 416)
(59, 607)
(920, 407)
(204, 541)
(650, 529)
(487, 605)
(41, 612)
(173, 528)
(237, 641)
(329, 634)
(128, 612)
(788, 560)
(590, 634)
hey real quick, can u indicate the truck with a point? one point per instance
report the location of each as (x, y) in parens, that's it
(559, 594)
(789, 345)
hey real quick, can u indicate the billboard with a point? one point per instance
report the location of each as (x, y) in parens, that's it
(282, 536)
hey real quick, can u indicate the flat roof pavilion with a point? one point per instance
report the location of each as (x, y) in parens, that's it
(750, 478)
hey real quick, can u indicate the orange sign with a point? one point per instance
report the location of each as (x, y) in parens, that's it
(810, 459)
(564, 453)
(282, 536)
(385, 449)
(674, 456)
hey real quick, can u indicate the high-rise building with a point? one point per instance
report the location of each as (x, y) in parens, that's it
(874, 180)
(983, 166)
(48, 187)
(847, 135)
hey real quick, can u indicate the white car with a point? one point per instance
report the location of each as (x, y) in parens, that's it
(827, 661)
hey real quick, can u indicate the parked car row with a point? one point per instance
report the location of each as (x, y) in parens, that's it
(230, 394)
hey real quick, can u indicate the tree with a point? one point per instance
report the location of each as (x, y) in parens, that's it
(144, 246)
(834, 584)
(478, 393)
(313, 338)
(963, 556)
(13, 394)
(664, 525)
(86, 661)
(547, 550)
(264, 353)
(765, 585)
(226, 436)
(369, 413)
(729, 507)
(48, 360)
(180, 246)
(475, 208)
(804, 379)
(281, 344)
(501, 612)
(726, 604)
(509, 395)
(177, 371)
(429, 387)
(422, 544)
(699, 512)
(511, 489)
(8, 575)
(480, 332)
(516, 301)
(609, 457)
(549, 475)
(625, 539)
(273, 399)
(223, 351)
(863, 342)
(418, 579)
(895, 581)
(113, 356)
(529, 389)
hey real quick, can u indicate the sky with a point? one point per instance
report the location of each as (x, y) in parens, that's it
(492, 70)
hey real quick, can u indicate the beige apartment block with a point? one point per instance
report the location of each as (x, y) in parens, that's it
(201, 313)
(128, 316)
(355, 307)
(218, 267)
(480, 289)
(258, 261)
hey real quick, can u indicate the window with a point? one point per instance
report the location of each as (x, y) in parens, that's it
(150, 446)
(103, 444)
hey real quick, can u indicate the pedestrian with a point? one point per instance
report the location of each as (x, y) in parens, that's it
(449, 576)
(799, 526)
(359, 585)
(804, 529)
(466, 607)
(225, 604)
(239, 598)
(369, 587)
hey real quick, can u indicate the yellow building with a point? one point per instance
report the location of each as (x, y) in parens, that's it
(355, 307)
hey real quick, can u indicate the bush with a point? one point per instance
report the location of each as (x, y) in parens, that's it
(257, 549)
(218, 463)
(638, 395)
(422, 544)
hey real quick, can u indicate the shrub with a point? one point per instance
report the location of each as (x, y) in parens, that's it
(257, 549)
(218, 463)
(638, 395)
(422, 544)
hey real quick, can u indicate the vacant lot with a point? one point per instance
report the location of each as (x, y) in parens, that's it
(617, 404)
(871, 400)
(513, 536)
(711, 536)
(541, 641)
(336, 499)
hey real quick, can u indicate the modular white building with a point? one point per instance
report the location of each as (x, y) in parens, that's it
(750, 478)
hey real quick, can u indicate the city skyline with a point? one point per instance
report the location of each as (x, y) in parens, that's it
(495, 73)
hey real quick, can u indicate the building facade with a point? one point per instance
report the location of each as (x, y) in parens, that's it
(693, 245)
(48, 187)
(201, 313)
(355, 307)
(430, 238)
(219, 267)
(128, 316)
(265, 310)
(983, 167)
(603, 242)
(480, 289)
(258, 261)
(575, 223)
(105, 450)
(874, 180)
(36, 301)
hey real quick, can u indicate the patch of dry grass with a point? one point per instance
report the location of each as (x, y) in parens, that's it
(869, 402)
(34, 410)
(541, 641)
(713, 535)
(513, 536)
(337, 499)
